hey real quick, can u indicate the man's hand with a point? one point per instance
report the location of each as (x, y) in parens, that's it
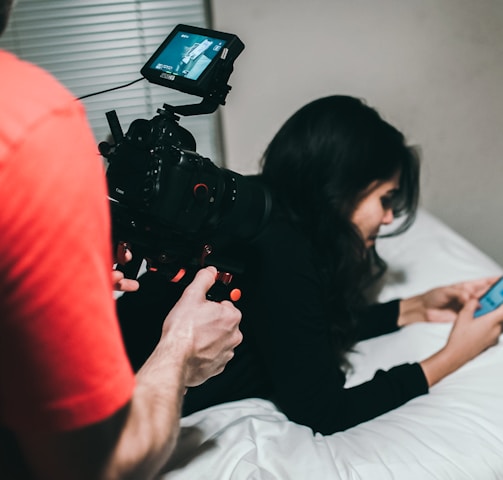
(207, 331)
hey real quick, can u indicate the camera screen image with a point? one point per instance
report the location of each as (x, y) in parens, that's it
(188, 55)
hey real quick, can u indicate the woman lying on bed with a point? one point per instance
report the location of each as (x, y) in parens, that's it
(337, 172)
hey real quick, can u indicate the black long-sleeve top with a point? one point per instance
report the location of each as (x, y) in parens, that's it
(286, 354)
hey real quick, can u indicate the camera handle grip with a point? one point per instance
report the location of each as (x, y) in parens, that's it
(222, 290)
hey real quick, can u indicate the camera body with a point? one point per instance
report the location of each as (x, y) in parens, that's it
(176, 208)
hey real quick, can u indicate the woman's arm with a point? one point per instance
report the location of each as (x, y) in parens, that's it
(378, 319)
(468, 338)
(295, 338)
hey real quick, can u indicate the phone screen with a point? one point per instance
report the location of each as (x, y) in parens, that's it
(491, 300)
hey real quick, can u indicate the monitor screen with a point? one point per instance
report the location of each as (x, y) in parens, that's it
(195, 60)
(187, 55)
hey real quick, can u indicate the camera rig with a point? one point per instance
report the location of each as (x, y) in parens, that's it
(175, 208)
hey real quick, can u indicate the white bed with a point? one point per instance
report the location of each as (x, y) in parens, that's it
(455, 432)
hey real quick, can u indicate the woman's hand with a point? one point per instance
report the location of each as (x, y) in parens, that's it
(120, 283)
(442, 304)
(468, 338)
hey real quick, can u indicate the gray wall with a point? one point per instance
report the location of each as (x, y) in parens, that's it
(434, 68)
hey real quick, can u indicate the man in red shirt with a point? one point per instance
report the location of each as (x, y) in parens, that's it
(70, 405)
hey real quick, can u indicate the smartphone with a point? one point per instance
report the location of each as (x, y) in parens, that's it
(491, 300)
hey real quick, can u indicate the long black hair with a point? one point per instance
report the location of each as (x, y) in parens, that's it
(318, 166)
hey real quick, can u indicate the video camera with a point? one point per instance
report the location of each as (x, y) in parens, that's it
(174, 207)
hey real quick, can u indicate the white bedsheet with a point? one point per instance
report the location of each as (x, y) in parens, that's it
(455, 432)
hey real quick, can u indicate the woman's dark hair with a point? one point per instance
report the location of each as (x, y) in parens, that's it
(318, 166)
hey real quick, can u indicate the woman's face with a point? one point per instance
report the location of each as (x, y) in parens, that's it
(375, 208)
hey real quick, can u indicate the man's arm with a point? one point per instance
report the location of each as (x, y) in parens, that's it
(197, 341)
(68, 394)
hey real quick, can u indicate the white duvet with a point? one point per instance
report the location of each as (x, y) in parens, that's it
(455, 432)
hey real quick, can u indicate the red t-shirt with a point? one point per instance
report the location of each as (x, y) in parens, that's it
(62, 361)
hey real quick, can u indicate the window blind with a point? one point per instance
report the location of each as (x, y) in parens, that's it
(91, 45)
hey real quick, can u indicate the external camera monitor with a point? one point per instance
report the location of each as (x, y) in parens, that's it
(193, 60)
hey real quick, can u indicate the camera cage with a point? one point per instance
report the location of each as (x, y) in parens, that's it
(177, 209)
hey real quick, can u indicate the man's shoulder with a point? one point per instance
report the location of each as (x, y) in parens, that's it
(27, 95)
(30, 97)
(20, 76)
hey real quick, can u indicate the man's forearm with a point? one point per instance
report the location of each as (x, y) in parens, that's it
(153, 421)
